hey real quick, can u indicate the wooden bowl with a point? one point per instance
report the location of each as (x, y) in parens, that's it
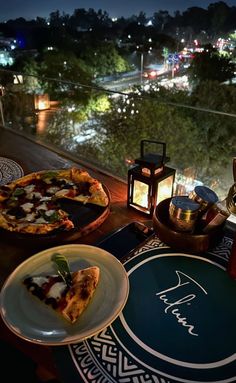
(193, 243)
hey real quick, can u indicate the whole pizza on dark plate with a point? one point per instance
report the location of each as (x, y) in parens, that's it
(46, 202)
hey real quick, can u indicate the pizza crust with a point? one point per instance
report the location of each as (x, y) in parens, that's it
(78, 297)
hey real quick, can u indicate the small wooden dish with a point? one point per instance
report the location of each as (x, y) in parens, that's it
(194, 243)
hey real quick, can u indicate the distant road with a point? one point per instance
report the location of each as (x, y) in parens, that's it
(121, 83)
(127, 81)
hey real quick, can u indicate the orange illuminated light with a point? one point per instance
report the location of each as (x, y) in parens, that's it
(42, 101)
(140, 196)
(153, 73)
(164, 189)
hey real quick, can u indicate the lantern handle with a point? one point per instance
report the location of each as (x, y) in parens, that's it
(163, 144)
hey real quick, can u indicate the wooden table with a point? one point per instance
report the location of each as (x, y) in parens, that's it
(34, 157)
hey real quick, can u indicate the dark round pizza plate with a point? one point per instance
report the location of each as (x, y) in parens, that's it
(86, 218)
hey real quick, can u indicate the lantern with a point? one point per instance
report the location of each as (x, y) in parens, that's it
(41, 101)
(149, 180)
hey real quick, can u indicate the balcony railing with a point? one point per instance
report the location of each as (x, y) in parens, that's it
(105, 126)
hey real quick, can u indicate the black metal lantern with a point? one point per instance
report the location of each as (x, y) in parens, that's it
(150, 181)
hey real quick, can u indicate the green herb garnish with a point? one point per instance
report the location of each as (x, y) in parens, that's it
(49, 218)
(62, 268)
(53, 217)
(49, 175)
(18, 191)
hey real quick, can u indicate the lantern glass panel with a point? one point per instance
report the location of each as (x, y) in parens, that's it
(140, 194)
(164, 189)
(41, 101)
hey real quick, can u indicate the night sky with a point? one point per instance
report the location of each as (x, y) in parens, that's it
(29, 9)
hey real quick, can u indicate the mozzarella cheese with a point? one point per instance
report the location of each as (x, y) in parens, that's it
(53, 189)
(43, 206)
(50, 212)
(40, 220)
(34, 195)
(40, 280)
(56, 290)
(29, 188)
(27, 207)
(30, 217)
(45, 199)
(62, 192)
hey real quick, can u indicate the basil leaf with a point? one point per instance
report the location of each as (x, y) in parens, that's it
(49, 175)
(54, 217)
(49, 218)
(18, 191)
(12, 202)
(62, 268)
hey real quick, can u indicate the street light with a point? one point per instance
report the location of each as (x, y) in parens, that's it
(141, 65)
(141, 69)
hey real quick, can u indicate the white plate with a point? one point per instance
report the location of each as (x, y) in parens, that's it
(36, 322)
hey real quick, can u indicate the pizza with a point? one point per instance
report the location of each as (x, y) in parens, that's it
(68, 302)
(31, 204)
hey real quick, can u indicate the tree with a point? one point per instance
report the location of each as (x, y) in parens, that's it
(202, 141)
(83, 19)
(41, 21)
(29, 66)
(219, 15)
(142, 18)
(196, 18)
(210, 65)
(67, 74)
(55, 19)
(103, 59)
(160, 19)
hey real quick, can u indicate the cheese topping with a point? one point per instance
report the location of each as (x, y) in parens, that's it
(11, 217)
(45, 199)
(47, 181)
(43, 206)
(27, 207)
(50, 212)
(53, 189)
(30, 217)
(56, 290)
(40, 280)
(62, 192)
(29, 188)
(34, 195)
(40, 220)
(37, 195)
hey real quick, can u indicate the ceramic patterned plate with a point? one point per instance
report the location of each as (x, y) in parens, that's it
(36, 322)
(9, 170)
